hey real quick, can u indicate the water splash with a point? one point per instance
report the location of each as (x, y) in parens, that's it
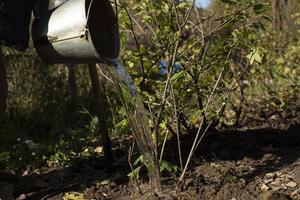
(137, 117)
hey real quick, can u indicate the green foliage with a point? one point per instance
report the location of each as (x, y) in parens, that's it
(206, 46)
(134, 175)
(227, 177)
(254, 56)
(167, 167)
(93, 126)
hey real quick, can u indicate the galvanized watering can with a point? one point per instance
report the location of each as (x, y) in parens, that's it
(76, 31)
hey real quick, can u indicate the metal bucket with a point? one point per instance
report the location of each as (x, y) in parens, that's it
(78, 31)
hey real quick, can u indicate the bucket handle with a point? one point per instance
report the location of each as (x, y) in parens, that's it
(88, 13)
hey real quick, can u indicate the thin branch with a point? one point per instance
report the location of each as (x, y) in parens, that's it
(199, 131)
(177, 126)
(135, 39)
(163, 146)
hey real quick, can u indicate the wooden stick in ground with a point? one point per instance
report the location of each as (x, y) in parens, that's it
(98, 93)
(3, 86)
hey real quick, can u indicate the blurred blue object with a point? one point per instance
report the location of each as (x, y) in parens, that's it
(163, 71)
(163, 65)
(203, 3)
(177, 67)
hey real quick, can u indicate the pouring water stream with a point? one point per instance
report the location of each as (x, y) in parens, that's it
(138, 119)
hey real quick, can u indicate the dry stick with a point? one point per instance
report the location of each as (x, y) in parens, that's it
(163, 146)
(137, 23)
(202, 119)
(226, 97)
(204, 133)
(175, 52)
(199, 130)
(188, 14)
(177, 126)
(97, 89)
(206, 129)
(196, 141)
(150, 110)
(207, 105)
(168, 82)
(202, 61)
(169, 75)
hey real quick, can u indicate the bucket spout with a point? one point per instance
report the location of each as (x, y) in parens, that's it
(77, 31)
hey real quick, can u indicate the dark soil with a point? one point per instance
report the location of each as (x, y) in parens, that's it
(231, 165)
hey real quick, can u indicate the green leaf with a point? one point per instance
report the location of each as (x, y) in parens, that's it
(165, 166)
(138, 160)
(254, 56)
(177, 75)
(122, 124)
(135, 174)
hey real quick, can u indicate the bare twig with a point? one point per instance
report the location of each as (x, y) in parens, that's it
(163, 146)
(177, 126)
(130, 154)
(196, 141)
(170, 67)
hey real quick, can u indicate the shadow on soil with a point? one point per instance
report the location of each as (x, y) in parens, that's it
(81, 174)
(273, 148)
